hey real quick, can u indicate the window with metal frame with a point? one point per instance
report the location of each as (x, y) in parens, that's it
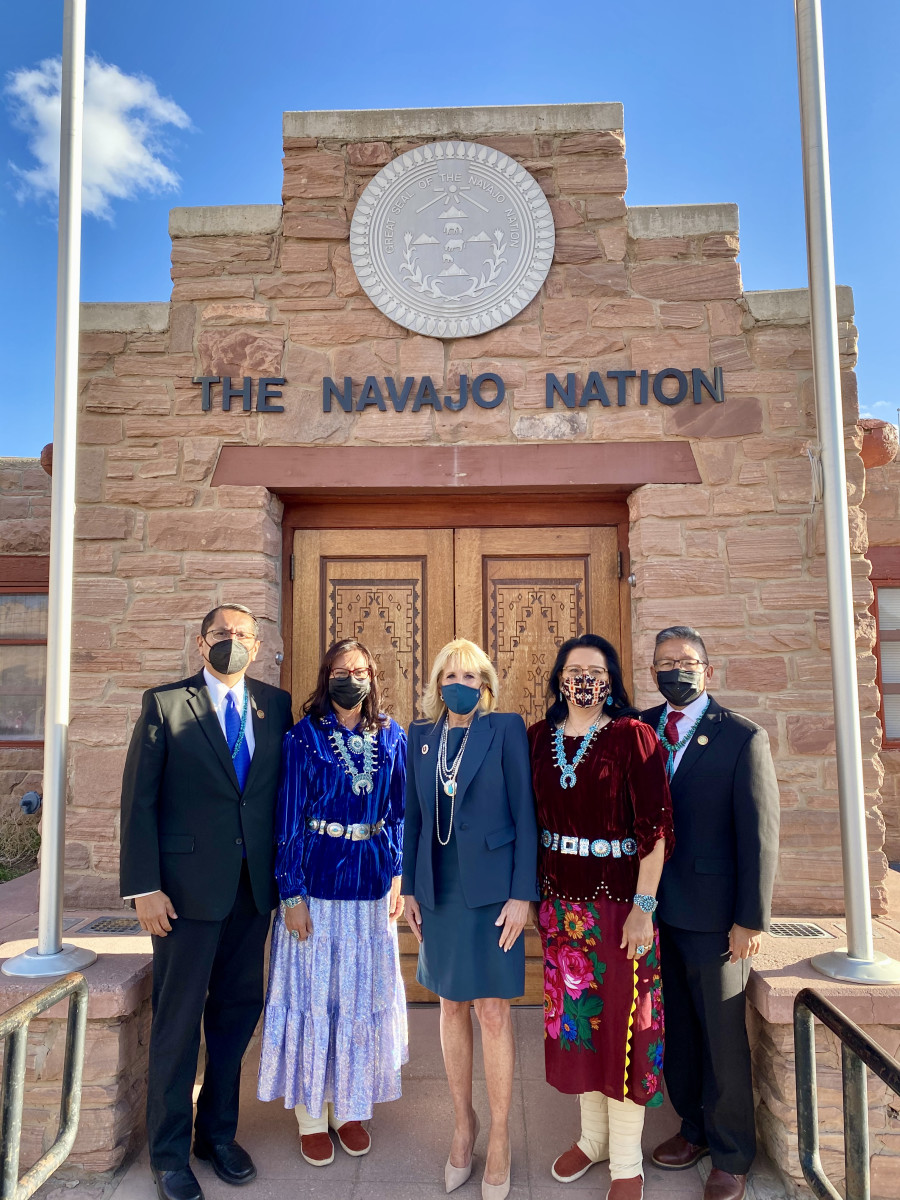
(23, 664)
(887, 647)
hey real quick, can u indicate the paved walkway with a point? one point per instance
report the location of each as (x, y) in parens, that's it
(411, 1138)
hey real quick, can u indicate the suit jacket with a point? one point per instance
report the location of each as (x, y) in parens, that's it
(725, 809)
(185, 821)
(493, 819)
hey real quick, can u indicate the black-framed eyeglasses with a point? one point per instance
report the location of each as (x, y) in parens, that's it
(357, 673)
(682, 664)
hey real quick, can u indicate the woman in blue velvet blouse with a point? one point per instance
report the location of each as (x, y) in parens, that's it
(334, 1037)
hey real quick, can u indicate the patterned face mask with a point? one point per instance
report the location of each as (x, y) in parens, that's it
(585, 691)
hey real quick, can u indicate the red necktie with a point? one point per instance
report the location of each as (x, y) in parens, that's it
(671, 730)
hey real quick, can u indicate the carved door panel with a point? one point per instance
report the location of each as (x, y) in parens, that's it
(520, 593)
(392, 589)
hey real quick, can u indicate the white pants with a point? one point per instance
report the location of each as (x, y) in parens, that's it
(309, 1124)
(612, 1129)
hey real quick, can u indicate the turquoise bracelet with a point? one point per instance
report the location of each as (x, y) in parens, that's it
(293, 901)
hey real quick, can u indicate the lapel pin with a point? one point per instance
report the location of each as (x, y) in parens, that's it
(260, 714)
(702, 739)
(425, 748)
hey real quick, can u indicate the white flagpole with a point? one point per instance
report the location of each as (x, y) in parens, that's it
(50, 956)
(859, 962)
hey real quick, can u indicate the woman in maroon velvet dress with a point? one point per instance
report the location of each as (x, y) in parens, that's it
(605, 824)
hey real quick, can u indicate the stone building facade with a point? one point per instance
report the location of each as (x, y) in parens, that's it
(269, 291)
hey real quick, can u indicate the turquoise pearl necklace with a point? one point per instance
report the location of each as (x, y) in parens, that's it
(670, 748)
(243, 728)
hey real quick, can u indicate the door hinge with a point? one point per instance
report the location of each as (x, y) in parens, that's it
(619, 559)
(292, 567)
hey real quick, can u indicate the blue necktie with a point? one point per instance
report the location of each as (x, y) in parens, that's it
(241, 760)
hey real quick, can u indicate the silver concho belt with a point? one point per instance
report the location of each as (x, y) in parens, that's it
(598, 847)
(353, 833)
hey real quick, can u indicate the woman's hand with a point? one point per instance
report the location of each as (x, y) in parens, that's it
(413, 916)
(513, 917)
(396, 908)
(297, 921)
(638, 931)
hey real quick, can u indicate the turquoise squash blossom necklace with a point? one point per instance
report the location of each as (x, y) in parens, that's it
(567, 769)
(365, 744)
(670, 748)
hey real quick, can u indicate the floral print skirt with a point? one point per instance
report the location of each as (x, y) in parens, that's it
(603, 1012)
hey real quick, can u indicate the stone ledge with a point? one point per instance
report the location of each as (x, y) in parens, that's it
(223, 220)
(681, 220)
(384, 123)
(790, 306)
(140, 317)
(782, 969)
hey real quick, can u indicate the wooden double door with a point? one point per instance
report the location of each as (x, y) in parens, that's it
(518, 592)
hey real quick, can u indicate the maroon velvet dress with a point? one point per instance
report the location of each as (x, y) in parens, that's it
(603, 1012)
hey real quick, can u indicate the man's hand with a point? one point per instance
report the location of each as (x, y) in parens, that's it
(414, 916)
(155, 913)
(513, 917)
(297, 920)
(743, 943)
(396, 908)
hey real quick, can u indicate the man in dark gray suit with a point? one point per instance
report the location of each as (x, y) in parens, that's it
(197, 849)
(714, 899)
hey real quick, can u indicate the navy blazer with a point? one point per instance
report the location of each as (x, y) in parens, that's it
(725, 809)
(493, 819)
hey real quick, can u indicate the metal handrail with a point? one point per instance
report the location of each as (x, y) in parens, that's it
(858, 1051)
(14, 1035)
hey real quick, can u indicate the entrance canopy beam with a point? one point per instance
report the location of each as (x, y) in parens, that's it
(548, 467)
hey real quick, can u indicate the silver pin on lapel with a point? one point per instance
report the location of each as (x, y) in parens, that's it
(425, 748)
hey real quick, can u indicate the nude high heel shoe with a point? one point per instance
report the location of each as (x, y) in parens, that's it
(496, 1191)
(455, 1177)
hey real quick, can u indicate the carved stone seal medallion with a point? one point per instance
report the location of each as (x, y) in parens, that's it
(452, 239)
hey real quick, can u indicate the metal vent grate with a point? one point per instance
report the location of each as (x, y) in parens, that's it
(801, 929)
(113, 925)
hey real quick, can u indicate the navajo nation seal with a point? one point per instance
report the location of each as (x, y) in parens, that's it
(452, 239)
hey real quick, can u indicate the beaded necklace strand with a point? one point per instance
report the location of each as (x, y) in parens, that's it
(671, 748)
(445, 775)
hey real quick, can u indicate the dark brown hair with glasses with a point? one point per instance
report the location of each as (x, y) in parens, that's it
(318, 703)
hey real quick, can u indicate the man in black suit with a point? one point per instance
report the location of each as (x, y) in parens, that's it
(715, 899)
(197, 848)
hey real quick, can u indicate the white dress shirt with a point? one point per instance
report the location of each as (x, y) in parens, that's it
(690, 713)
(217, 693)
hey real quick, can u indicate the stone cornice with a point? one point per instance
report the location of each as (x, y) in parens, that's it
(118, 317)
(386, 123)
(681, 220)
(223, 220)
(790, 306)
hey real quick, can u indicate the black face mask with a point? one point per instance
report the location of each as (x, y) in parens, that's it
(229, 657)
(347, 693)
(681, 687)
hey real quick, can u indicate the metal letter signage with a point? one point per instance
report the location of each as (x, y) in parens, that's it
(452, 239)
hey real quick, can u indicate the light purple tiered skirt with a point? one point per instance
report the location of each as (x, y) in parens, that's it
(335, 1018)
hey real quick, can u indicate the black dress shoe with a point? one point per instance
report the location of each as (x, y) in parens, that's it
(230, 1161)
(177, 1185)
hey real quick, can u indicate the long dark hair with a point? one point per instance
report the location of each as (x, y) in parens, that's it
(557, 709)
(318, 704)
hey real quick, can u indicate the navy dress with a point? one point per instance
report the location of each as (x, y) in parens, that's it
(460, 956)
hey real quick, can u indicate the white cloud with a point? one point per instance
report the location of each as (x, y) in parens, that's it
(123, 117)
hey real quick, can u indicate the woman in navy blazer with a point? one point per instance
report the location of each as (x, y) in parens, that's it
(469, 874)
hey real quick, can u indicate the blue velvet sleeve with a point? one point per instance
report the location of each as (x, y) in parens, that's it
(397, 803)
(290, 824)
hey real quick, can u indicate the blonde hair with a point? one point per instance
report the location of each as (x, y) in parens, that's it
(470, 658)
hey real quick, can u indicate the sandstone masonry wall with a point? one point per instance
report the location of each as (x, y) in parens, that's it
(270, 291)
(24, 531)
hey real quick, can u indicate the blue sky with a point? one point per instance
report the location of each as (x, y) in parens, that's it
(710, 96)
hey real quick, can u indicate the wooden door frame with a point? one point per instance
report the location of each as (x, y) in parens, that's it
(451, 509)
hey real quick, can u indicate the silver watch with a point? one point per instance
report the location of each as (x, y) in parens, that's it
(647, 903)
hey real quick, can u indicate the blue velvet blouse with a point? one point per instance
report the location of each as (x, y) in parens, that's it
(315, 785)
